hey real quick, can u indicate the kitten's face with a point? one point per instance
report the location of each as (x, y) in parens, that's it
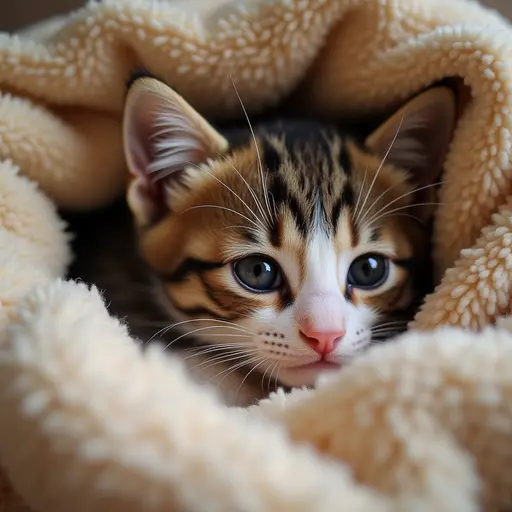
(285, 251)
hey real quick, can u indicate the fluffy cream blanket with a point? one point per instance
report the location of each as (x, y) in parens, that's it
(89, 423)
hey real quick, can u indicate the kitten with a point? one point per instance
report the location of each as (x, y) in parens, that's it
(280, 250)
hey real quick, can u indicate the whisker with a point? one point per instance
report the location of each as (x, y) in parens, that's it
(277, 367)
(224, 358)
(213, 320)
(413, 217)
(392, 322)
(214, 352)
(224, 208)
(218, 346)
(274, 205)
(265, 374)
(216, 320)
(387, 333)
(164, 324)
(239, 226)
(235, 368)
(385, 214)
(229, 335)
(249, 373)
(214, 349)
(381, 165)
(165, 330)
(260, 163)
(220, 358)
(410, 192)
(276, 376)
(389, 329)
(200, 329)
(251, 190)
(356, 213)
(214, 361)
(380, 341)
(398, 323)
(389, 326)
(232, 191)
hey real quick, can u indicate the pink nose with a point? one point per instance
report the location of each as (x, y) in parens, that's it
(323, 342)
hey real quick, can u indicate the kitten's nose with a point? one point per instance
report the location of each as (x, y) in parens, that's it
(323, 342)
(320, 316)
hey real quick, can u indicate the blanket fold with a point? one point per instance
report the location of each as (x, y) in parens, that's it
(421, 424)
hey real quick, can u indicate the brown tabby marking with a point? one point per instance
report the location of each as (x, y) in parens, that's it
(282, 248)
(197, 288)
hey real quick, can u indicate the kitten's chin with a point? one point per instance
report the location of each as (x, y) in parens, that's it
(306, 375)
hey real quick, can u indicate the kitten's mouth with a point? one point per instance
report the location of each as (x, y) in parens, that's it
(316, 366)
(306, 374)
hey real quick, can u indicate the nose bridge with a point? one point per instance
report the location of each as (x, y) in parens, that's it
(321, 311)
(320, 304)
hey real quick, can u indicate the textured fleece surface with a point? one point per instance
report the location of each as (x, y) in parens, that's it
(89, 423)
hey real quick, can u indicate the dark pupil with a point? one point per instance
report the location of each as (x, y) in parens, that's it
(258, 269)
(368, 267)
(367, 271)
(256, 273)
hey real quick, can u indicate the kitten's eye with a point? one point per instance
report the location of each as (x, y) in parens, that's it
(258, 273)
(368, 271)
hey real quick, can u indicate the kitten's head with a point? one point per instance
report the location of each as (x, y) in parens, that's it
(285, 250)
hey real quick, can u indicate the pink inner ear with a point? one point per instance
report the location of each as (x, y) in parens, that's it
(161, 135)
(146, 196)
(139, 136)
(139, 157)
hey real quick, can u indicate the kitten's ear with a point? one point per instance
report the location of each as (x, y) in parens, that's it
(162, 135)
(418, 135)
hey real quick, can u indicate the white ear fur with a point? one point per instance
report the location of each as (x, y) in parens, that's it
(162, 135)
(418, 136)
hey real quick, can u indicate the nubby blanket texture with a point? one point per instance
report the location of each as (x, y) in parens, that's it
(89, 423)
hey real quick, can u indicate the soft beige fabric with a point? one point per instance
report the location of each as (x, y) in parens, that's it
(93, 425)
(89, 423)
